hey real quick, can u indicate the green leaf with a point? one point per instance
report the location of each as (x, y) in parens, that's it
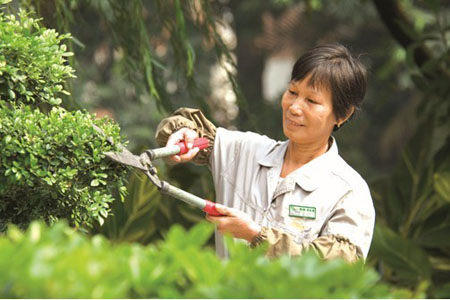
(48, 180)
(409, 261)
(8, 139)
(67, 54)
(95, 182)
(199, 234)
(100, 220)
(11, 94)
(55, 101)
(442, 185)
(437, 237)
(435, 230)
(103, 213)
(33, 161)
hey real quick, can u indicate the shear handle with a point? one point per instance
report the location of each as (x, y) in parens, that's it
(180, 148)
(210, 208)
(200, 143)
(205, 205)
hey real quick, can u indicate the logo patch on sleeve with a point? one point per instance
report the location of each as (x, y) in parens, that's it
(302, 211)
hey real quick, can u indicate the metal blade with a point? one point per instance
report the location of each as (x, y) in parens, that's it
(124, 157)
(127, 158)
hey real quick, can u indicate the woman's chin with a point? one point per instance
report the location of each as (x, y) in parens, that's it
(294, 134)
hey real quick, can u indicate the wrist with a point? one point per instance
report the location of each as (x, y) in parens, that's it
(254, 231)
(258, 238)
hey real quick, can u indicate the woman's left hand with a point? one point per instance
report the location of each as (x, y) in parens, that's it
(234, 222)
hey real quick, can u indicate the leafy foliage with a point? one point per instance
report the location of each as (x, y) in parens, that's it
(58, 262)
(411, 242)
(32, 61)
(52, 163)
(411, 239)
(53, 166)
(138, 218)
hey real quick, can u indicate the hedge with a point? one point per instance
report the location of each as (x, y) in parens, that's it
(59, 262)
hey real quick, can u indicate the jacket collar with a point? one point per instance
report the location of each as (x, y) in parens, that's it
(309, 176)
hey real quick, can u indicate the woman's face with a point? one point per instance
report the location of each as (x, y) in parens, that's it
(308, 116)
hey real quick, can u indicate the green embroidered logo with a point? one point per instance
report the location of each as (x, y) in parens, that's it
(302, 211)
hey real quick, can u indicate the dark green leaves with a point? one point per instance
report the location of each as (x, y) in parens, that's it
(435, 232)
(412, 204)
(409, 261)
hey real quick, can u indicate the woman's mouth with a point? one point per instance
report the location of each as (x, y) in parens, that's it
(292, 123)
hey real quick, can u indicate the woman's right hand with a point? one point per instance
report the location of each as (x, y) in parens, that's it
(187, 135)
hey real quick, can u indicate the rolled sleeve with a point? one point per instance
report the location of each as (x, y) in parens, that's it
(327, 247)
(192, 119)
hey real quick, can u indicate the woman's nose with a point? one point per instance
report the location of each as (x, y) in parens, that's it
(296, 107)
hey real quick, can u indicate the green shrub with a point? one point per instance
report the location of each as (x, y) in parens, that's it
(53, 166)
(58, 262)
(32, 61)
(52, 163)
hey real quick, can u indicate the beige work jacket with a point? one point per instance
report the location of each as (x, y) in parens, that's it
(324, 205)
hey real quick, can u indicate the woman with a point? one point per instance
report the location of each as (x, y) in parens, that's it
(298, 194)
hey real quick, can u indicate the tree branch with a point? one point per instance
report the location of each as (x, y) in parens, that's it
(393, 16)
(397, 20)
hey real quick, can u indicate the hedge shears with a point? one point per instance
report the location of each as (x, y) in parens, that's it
(143, 162)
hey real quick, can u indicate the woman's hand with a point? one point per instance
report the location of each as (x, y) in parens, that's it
(187, 135)
(234, 222)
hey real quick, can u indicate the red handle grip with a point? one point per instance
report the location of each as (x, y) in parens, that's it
(200, 143)
(210, 209)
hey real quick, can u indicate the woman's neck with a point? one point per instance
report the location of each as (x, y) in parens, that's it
(298, 155)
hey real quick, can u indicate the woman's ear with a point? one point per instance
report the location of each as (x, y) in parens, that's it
(345, 119)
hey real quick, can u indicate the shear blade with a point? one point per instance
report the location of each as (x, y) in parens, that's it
(126, 158)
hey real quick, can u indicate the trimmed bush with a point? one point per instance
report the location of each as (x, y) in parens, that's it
(52, 163)
(59, 262)
(53, 166)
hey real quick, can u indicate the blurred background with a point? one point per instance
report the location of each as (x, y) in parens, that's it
(137, 61)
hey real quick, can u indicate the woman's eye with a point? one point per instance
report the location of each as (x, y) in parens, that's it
(312, 101)
(292, 93)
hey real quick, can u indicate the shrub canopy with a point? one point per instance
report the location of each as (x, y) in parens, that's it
(51, 162)
(33, 65)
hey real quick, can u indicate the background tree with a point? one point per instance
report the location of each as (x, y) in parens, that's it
(413, 202)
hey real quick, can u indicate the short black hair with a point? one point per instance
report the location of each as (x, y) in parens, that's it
(334, 67)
